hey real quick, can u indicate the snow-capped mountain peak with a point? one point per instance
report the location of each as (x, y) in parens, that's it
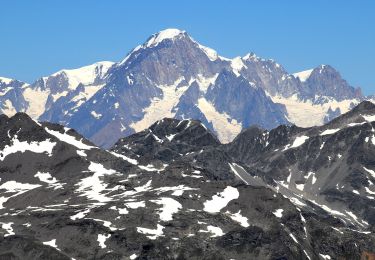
(5, 80)
(251, 56)
(163, 35)
(85, 75)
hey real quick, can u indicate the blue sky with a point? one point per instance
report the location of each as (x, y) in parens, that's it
(40, 37)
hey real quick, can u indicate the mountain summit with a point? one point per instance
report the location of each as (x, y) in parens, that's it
(172, 75)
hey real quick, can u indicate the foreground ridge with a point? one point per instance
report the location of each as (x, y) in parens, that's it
(174, 191)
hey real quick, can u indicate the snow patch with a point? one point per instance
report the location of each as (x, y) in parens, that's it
(66, 138)
(161, 107)
(237, 65)
(303, 75)
(170, 207)
(8, 228)
(35, 147)
(325, 257)
(221, 200)
(278, 213)
(101, 239)
(300, 140)
(239, 218)
(92, 186)
(135, 204)
(47, 178)
(129, 160)
(372, 172)
(15, 187)
(226, 128)
(96, 115)
(330, 131)
(306, 113)
(151, 233)
(216, 231)
(37, 100)
(51, 243)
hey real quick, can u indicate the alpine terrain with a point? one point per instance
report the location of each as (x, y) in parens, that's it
(172, 75)
(173, 190)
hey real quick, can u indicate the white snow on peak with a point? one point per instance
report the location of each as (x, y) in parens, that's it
(303, 75)
(163, 35)
(321, 68)
(237, 65)
(251, 56)
(85, 75)
(5, 80)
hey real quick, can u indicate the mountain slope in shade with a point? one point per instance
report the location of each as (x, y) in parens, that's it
(173, 191)
(330, 166)
(172, 75)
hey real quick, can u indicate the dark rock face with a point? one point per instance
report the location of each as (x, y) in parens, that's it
(235, 96)
(326, 81)
(278, 82)
(174, 192)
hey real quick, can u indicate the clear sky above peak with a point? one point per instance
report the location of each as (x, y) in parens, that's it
(38, 38)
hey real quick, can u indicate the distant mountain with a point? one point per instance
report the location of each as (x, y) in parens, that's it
(172, 75)
(12, 99)
(42, 96)
(173, 191)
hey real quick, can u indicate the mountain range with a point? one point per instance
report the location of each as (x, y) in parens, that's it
(172, 75)
(174, 191)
